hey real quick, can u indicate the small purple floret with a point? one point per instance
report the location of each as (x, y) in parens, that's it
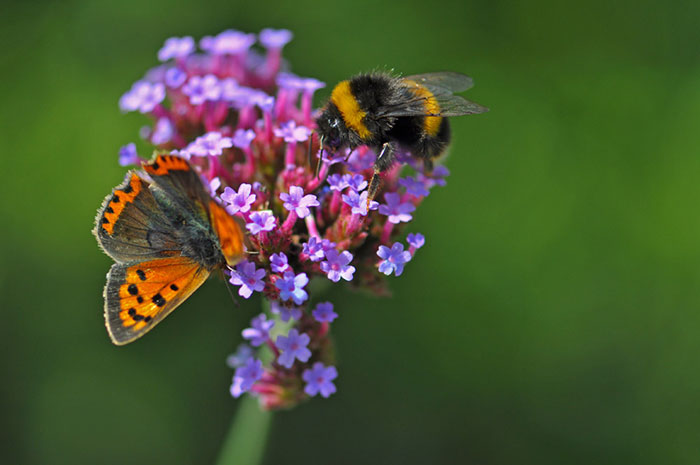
(246, 276)
(414, 186)
(210, 144)
(143, 96)
(261, 221)
(416, 240)
(259, 332)
(319, 379)
(238, 201)
(358, 202)
(176, 47)
(337, 265)
(290, 132)
(175, 77)
(324, 312)
(275, 38)
(396, 211)
(200, 89)
(285, 313)
(240, 356)
(163, 132)
(293, 346)
(394, 259)
(292, 287)
(246, 376)
(128, 155)
(279, 262)
(243, 137)
(316, 248)
(298, 202)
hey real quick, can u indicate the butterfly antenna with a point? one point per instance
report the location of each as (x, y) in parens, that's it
(228, 288)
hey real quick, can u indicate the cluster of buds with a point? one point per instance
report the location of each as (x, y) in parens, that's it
(246, 125)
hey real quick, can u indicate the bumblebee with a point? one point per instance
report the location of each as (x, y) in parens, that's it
(388, 113)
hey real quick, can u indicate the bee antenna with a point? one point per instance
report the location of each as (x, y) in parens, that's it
(320, 156)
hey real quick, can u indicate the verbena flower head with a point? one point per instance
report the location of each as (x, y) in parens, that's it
(244, 122)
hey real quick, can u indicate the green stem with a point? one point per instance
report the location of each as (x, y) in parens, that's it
(247, 435)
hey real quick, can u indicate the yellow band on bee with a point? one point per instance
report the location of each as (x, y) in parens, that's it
(431, 124)
(353, 115)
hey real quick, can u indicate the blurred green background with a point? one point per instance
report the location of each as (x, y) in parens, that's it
(552, 317)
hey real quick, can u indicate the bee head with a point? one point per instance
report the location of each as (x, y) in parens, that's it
(332, 129)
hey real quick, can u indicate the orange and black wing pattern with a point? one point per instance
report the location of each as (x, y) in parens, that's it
(139, 296)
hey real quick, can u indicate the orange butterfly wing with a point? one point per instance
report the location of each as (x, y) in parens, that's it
(139, 296)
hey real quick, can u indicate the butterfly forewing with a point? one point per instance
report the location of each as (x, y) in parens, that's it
(130, 227)
(138, 296)
(180, 182)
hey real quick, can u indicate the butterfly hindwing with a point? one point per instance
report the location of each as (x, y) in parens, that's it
(139, 295)
(130, 226)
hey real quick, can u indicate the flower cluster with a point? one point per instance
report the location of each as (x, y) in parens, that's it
(245, 123)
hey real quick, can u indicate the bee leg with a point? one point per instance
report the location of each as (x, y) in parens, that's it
(428, 165)
(320, 153)
(383, 162)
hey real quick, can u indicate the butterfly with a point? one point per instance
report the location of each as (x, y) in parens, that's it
(166, 235)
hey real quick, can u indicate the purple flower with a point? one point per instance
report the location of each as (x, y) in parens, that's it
(291, 81)
(293, 346)
(316, 248)
(319, 379)
(238, 201)
(356, 182)
(214, 185)
(394, 259)
(361, 159)
(228, 42)
(261, 221)
(285, 312)
(240, 357)
(175, 77)
(163, 132)
(143, 97)
(259, 332)
(436, 178)
(275, 38)
(338, 182)
(279, 262)
(358, 202)
(292, 287)
(416, 240)
(128, 155)
(337, 265)
(176, 47)
(298, 202)
(324, 312)
(199, 89)
(243, 137)
(246, 376)
(246, 276)
(210, 144)
(414, 186)
(395, 210)
(291, 132)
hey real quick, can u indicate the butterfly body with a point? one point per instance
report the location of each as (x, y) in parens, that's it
(166, 236)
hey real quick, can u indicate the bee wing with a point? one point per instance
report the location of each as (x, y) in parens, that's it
(450, 105)
(446, 81)
(438, 88)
